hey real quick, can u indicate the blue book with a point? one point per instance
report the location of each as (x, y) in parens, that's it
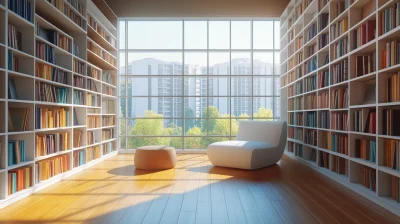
(14, 182)
(10, 153)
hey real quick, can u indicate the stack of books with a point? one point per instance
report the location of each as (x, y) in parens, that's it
(19, 179)
(390, 54)
(52, 117)
(51, 143)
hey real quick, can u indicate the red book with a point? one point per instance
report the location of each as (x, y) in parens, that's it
(363, 34)
(384, 59)
(371, 30)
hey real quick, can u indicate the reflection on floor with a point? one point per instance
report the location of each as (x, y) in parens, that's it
(113, 191)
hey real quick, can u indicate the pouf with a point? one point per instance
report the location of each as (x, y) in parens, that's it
(155, 157)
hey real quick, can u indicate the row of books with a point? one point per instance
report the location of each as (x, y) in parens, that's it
(79, 158)
(78, 6)
(393, 88)
(310, 84)
(78, 19)
(299, 43)
(298, 134)
(313, 155)
(109, 58)
(389, 18)
(108, 90)
(339, 99)
(310, 101)
(311, 50)
(323, 159)
(93, 153)
(368, 177)
(79, 81)
(94, 48)
(311, 32)
(311, 119)
(339, 121)
(108, 107)
(91, 85)
(323, 21)
(79, 97)
(295, 89)
(108, 147)
(340, 48)
(291, 147)
(50, 93)
(323, 100)
(323, 137)
(51, 167)
(365, 64)
(324, 119)
(296, 104)
(298, 151)
(12, 89)
(19, 179)
(339, 28)
(395, 189)
(90, 138)
(338, 143)
(51, 73)
(365, 121)
(390, 56)
(55, 117)
(101, 31)
(310, 137)
(310, 65)
(299, 58)
(93, 100)
(13, 61)
(16, 152)
(364, 34)
(14, 37)
(18, 119)
(323, 79)
(391, 122)
(47, 144)
(93, 121)
(339, 165)
(78, 66)
(391, 151)
(45, 52)
(107, 134)
(94, 73)
(295, 119)
(365, 149)
(54, 37)
(339, 72)
(77, 136)
(322, 4)
(108, 120)
(23, 8)
(323, 40)
(299, 72)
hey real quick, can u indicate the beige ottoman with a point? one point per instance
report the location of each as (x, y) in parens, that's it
(155, 157)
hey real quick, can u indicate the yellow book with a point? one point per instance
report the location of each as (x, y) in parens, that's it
(345, 25)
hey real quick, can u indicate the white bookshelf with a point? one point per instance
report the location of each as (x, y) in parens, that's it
(49, 17)
(294, 26)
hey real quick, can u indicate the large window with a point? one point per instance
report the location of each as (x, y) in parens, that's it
(188, 83)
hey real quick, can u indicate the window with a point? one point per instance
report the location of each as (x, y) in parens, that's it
(188, 83)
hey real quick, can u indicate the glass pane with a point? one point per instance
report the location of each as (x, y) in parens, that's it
(277, 65)
(157, 86)
(195, 142)
(193, 127)
(241, 34)
(195, 106)
(135, 142)
(122, 104)
(262, 107)
(219, 127)
(195, 86)
(122, 86)
(218, 63)
(218, 107)
(241, 106)
(240, 63)
(218, 86)
(263, 86)
(263, 63)
(155, 35)
(122, 126)
(262, 38)
(241, 86)
(277, 83)
(277, 35)
(219, 35)
(121, 61)
(277, 108)
(122, 142)
(157, 107)
(155, 63)
(205, 141)
(195, 35)
(195, 63)
(121, 34)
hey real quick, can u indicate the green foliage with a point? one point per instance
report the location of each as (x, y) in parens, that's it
(212, 112)
(265, 114)
(193, 142)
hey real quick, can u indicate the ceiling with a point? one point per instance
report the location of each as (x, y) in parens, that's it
(198, 8)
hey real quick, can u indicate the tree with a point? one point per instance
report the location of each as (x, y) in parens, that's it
(209, 112)
(193, 142)
(174, 130)
(191, 122)
(264, 114)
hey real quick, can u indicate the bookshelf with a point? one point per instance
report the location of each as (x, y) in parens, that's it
(57, 98)
(340, 92)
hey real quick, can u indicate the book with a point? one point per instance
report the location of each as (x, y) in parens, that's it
(323, 100)
(12, 89)
(90, 140)
(311, 119)
(51, 93)
(54, 37)
(51, 73)
(310, 137)
(22, 7)
(18, 119)
(389, 18)
(339, 121)
(338, 28)
(45, 52)
(19, 179)
(365, 121)
(368, 177)
(77, 136)
(52, 117)
(13, 61)
(323, 79)
(364, 34)
(390, 54)
(339, 72)
(393, 88)
(16, 152)
(76, 123)
(339, 165)
(47, 144)
(107, 134)
(79, 158)
(365, 149)
(324, 119)
(340, 48)
(14, 37)
(339, 98)
(108, 147)
(390, 120)
(365, 64)
(338, 143)
(79, 98)
(324, 159)
(93, 153)
(93, 121)
(78, 67)
(46, 169)
(390, 153)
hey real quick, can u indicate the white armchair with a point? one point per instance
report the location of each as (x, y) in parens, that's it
(258, 144)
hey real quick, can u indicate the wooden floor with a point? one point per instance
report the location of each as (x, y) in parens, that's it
(113, 191)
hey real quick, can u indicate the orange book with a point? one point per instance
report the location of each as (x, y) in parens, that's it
(9, 183)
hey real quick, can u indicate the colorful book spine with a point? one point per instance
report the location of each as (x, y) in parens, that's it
(16, 152)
